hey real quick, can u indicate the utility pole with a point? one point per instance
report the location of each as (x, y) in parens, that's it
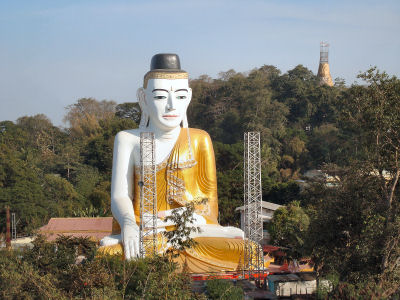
(13, 227)
(8, 234)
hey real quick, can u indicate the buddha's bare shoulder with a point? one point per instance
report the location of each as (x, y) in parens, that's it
(128, 136)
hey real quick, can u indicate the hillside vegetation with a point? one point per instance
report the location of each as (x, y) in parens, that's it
(351, 228)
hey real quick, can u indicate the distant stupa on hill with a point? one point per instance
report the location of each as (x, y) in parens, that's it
(323, 69)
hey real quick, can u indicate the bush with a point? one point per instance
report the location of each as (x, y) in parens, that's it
(367, 290)
(52, 271)
(148, 278)
(223, 290)
(20, 280)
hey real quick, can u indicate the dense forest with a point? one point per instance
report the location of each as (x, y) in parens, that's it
(351, 227)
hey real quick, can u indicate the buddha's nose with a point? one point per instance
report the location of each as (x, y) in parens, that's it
(171, 102)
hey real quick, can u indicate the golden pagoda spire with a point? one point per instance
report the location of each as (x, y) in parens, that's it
(323, 69)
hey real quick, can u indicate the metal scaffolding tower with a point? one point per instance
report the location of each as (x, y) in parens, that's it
(148, 195)
(254, 262)
(13, 227)
(323, 52)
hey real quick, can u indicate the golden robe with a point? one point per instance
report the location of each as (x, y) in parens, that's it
(189, 174)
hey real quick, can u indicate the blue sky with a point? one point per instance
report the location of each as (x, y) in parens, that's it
(54, 52)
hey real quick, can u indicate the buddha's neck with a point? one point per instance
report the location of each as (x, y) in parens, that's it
(165, 135)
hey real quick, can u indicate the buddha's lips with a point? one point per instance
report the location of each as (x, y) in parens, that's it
(170, 116)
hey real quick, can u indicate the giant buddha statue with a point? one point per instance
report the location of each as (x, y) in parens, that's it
(185, 172)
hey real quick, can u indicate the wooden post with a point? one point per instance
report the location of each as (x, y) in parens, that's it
(8, 231)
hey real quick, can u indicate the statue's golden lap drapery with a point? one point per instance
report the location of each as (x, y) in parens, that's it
(189, 174)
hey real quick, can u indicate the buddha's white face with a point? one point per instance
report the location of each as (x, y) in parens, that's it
(167, 101)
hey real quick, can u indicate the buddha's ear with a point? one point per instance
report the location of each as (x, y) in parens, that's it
(141, 96)
(184, 120)
(190, 94)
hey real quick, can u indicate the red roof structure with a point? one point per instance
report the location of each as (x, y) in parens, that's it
(95, 228)
(269, 248)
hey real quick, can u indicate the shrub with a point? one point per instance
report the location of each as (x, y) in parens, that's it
(20, 280)
(224, 290)
(51, 271)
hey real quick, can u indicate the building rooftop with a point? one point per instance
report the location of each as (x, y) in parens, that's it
(264, 204)
(95, 228)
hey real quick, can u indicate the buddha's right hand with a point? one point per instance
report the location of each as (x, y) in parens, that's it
(130, 239)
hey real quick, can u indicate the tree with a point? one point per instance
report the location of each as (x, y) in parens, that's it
(281, 193)
(179, 239)
(84, 116)
(225, 76)
(128, 110)
(98, 150)
(53, 271)
(288, 228)
(41, 132)
(62, 194)
(229, 160)
(356, 222)
(324, 146)
(371, 116)
(22, 190)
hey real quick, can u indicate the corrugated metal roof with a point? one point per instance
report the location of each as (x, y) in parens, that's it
(95, 228)
(264, 204)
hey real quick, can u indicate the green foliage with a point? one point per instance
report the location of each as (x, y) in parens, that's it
(230, 195)
(89, 212)
(352, 132)
(20, 280)
(359, 291)
(183, 218)
(128, 110)
(85, 179)
(100, 197)
(55, 258)
(223, 290)
(46, 171)
(91, 280)
(85, 115)
(354, 226)
(357, 222)
(62, 193)
(98, 151)
(323, 143)
(278, 105)
(53, 271)
(289, 227)
(281, 192)
(347, 226)
(229, 160)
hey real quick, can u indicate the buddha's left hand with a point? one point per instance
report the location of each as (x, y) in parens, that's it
(130, 239)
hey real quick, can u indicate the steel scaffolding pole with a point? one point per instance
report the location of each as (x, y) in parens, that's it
(254, 261)
(148, 195)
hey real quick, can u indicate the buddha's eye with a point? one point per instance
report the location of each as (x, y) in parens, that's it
(160, 97)
(181, 97)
